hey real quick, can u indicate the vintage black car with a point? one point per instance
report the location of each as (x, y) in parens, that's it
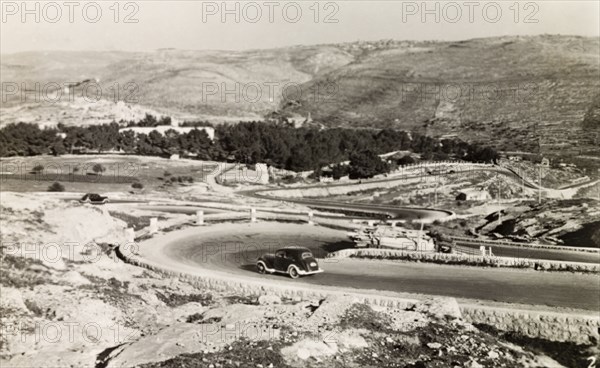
(93, 198)
(294, 261)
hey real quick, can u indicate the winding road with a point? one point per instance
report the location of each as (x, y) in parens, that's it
(223, 249)
(232, 250)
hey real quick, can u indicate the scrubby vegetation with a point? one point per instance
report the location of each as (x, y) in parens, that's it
(56, 187)
(279, 145)
(175, 300)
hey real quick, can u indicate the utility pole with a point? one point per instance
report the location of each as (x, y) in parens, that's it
(522, 182)
(420, 235)
(540, 186)
(435, 190)
(541, 166)
(498, 183)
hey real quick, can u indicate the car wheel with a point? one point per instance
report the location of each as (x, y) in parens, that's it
(260, 267)
(293, 272)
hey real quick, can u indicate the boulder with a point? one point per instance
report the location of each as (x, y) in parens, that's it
(269, 299)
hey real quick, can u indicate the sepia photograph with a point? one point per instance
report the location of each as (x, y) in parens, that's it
(299, 184)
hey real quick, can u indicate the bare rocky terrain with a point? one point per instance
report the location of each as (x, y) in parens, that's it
(68, 301)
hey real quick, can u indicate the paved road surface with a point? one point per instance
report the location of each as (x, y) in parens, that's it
(237, 254)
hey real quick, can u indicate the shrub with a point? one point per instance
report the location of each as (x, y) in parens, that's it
(97, 168)
(366, 164)
(56, 187)
(405, 160)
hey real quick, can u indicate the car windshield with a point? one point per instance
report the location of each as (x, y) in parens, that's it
(306, 255)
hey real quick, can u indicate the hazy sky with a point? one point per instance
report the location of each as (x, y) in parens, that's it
(153, 24)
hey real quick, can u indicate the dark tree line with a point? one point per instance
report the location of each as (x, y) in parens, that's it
(150, 121)
(249, 142)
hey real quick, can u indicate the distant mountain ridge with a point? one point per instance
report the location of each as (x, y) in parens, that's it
(514, 92)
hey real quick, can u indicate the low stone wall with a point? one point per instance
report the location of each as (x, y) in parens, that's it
(252, 287)
(523, 245)
(407, 175)
(581, 329)
(578, 328)
(475, 260)
(335, 189)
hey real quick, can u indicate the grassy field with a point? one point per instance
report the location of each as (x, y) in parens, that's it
(77, 173)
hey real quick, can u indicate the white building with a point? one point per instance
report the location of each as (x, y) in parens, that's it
(210, 131)
(473, 195)
(241, 174)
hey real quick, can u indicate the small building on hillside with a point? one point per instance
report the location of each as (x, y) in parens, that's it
(515, 158)
(210, 131)
(262, 173)
(239, 173)
(473, 195)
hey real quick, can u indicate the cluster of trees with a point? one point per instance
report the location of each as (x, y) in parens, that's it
(311, 148)
(249, 142)
(149, 121)
(29, 140)
(56, 187)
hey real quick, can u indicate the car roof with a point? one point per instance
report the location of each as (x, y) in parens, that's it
(296, 248)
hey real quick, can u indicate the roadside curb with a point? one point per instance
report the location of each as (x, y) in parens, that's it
(554, 326)
(469, 260)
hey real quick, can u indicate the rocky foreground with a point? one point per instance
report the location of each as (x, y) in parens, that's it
(67, 301)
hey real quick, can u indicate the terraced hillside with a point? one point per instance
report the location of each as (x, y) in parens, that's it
(213, 85)
(512, 91)
(518, 93)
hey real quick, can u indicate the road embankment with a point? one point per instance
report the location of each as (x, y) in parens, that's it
(158, 254)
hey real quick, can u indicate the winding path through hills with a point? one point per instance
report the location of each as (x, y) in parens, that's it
(231, 251)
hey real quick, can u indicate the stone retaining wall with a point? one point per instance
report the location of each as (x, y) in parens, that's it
(334, 190)
(461, 239)
(402, 176)
(475, 260)
(251, 287)
(582, 329)
(553, 326)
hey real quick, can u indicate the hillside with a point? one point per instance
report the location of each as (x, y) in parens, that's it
(497, 89)
(186, 84)
(515, 92)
